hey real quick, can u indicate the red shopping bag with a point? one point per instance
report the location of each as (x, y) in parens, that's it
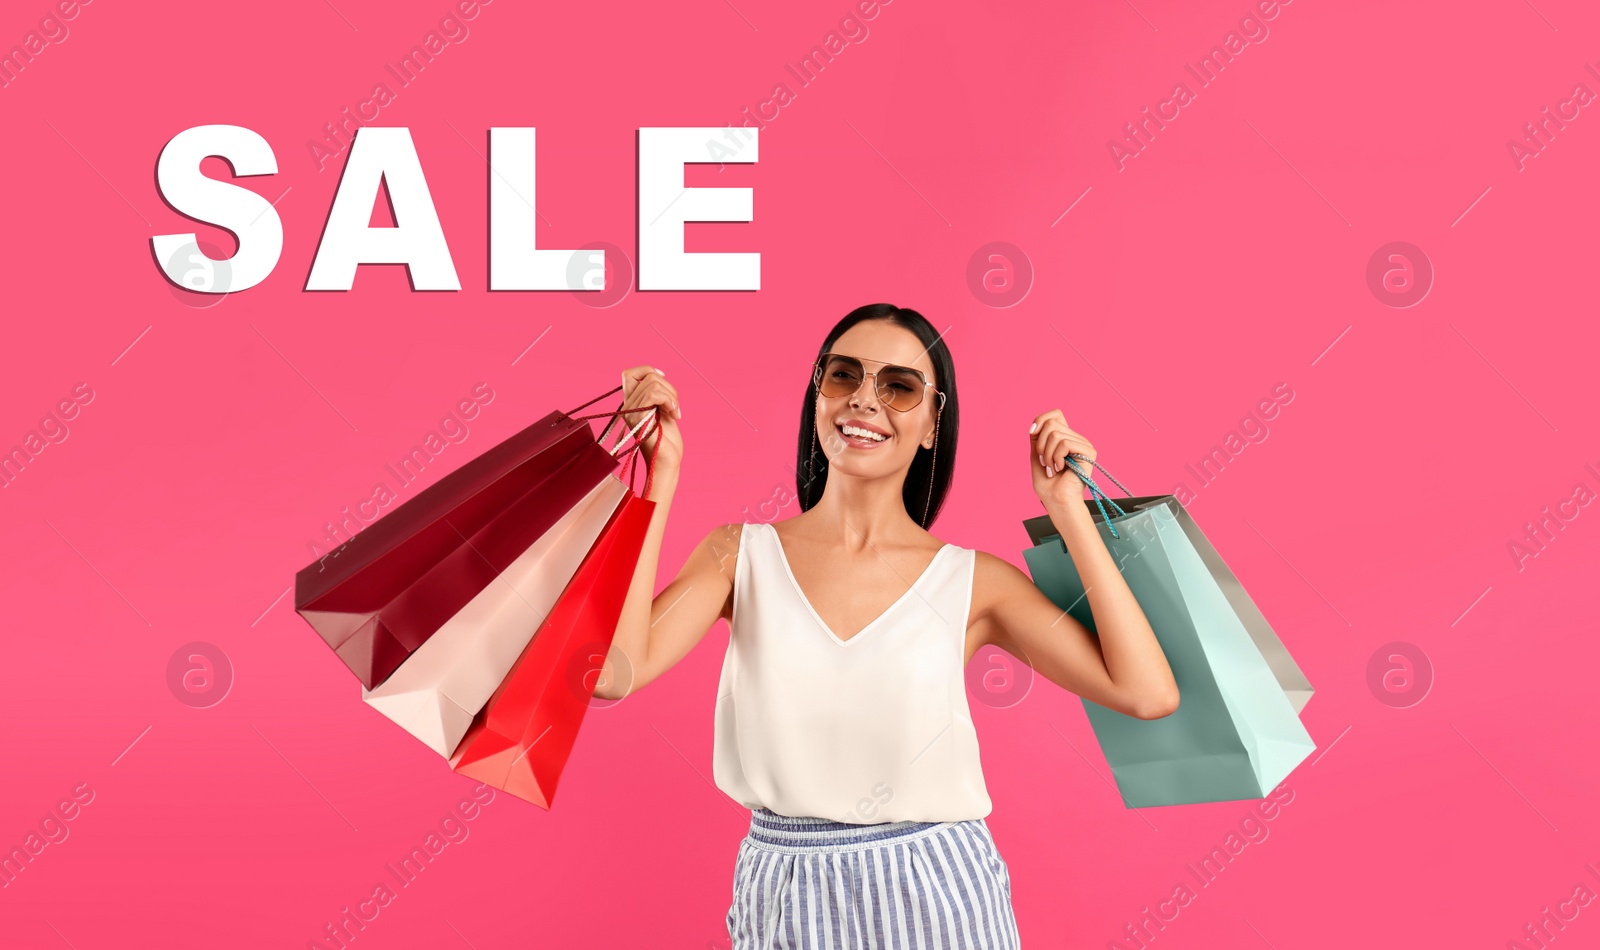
(380, 595)
(520, 742)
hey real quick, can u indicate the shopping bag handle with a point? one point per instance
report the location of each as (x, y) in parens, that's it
(649, 424)
(607, 430)
(614, 415)
(652, 423)
(592, 401)
(1096, 493)
(1103, 471)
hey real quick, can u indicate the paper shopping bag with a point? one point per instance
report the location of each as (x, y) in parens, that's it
(1290, 678)
(1235, 734)
(381, 594)
(437, 691)
(520, 742)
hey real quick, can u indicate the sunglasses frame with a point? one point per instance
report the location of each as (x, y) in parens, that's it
(816, 379)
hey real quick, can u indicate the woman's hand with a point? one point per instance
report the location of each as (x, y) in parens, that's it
(647, 386)
(1050, 441)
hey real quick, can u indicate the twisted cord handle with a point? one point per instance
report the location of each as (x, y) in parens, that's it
(1101, 499)
(649, 424)
(1102, 468)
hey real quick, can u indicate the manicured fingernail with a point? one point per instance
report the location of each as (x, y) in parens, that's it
(1033, 428)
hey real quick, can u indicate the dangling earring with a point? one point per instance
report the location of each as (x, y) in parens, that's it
(810, 474)
(931, 462)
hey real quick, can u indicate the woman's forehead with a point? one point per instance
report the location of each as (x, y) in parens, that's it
(884, 342)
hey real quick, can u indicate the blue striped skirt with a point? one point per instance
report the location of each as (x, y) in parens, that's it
(815, 884)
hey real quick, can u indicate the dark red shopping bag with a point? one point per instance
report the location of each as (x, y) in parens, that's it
(380, 595)
(520, 742)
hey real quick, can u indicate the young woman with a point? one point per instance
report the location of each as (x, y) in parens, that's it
(842, 718)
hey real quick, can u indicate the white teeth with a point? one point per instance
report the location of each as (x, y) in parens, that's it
(862, 433)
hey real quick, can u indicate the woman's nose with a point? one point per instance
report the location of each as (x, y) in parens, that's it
(866, 394)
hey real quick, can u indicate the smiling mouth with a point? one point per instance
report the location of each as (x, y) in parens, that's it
(859, 441)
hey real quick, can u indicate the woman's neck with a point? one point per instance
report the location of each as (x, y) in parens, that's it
(862, 513)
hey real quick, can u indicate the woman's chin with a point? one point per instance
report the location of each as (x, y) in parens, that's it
(865, 463)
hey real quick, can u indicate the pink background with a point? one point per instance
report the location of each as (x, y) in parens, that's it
(1227, 258)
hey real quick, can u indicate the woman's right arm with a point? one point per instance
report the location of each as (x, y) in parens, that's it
(655, 632)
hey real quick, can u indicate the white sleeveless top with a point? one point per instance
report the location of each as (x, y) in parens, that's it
(871, 729)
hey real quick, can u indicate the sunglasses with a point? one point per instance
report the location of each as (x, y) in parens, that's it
(901, 388)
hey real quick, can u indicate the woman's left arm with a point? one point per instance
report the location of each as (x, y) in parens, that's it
(1123, 668)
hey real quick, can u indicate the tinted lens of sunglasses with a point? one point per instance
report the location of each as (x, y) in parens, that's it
(841, 376)
(898, 387)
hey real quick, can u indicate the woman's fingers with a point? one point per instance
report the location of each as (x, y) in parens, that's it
(645, 388)
(648, 386)
(1048, 438)
(654, 392)
(634, 376)
(1047, 430)
(1052, 448)
(661, 393)
(1054, 441)
(1075, 444)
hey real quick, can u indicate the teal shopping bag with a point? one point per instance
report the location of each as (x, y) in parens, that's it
(1236, 733)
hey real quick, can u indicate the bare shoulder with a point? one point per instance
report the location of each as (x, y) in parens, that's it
(716, 558)
(724, 537)
(994, 580)
(719, 549)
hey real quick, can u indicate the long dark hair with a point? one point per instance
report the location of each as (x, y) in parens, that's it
(919, 492)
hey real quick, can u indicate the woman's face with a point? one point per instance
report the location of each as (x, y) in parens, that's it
(874, 343)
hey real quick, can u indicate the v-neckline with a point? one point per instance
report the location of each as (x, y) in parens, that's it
(783, 558)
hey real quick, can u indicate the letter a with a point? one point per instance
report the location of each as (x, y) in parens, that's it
(383, 156)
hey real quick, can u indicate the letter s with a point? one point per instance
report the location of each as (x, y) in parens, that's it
(250, 217)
